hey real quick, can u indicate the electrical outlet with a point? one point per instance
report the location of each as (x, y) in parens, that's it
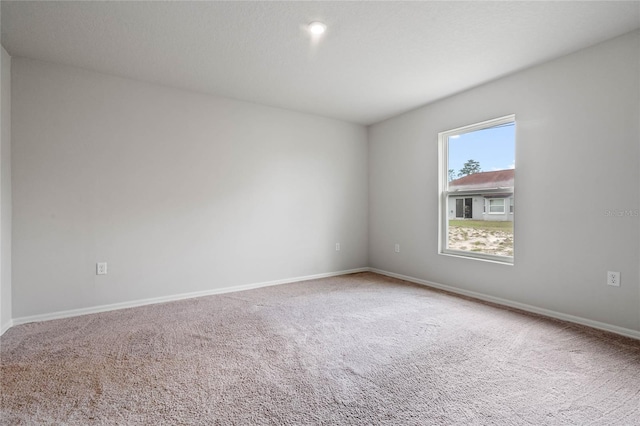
(397, 248)
(101, 268)
(337, 246)
(613, 278)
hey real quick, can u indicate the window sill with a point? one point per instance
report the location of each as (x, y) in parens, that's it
(502, 260)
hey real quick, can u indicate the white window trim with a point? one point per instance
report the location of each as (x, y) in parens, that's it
(443, 181)
(503, 206)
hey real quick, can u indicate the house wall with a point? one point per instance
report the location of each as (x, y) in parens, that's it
(179, 192)
(577, 155)
(5, 190)
(478, 205)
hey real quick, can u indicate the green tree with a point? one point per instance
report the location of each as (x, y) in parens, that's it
(452, 174)
(469, 168)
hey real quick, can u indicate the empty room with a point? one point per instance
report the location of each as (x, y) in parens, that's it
(336, 213)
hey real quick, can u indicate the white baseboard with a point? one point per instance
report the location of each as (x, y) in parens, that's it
(635, 334)
(5, 327)
(505, 302)
(142, 302)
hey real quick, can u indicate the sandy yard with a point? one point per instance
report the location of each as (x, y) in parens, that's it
(490, 241)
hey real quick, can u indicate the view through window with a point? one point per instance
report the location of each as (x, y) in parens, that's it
(477, 165)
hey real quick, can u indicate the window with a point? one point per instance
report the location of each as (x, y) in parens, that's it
(477, 181)
(496, 206)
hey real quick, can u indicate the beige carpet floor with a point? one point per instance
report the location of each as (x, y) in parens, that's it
(356, 349)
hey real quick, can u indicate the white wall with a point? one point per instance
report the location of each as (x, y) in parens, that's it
(5, 190)
(179, 192)
(577, 155)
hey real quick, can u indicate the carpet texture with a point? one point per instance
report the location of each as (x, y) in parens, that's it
(355, 349)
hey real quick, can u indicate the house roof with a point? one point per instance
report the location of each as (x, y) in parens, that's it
(484, 181)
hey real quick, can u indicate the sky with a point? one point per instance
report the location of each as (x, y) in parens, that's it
(494, 148)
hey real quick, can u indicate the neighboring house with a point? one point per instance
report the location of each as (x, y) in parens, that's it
(482, 196)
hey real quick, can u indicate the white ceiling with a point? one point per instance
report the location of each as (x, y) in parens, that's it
(376, 60)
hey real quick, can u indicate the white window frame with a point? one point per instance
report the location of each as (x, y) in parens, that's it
(443, 183)
(496, 199)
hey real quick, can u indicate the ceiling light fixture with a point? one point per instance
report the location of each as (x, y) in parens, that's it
(317, 28)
